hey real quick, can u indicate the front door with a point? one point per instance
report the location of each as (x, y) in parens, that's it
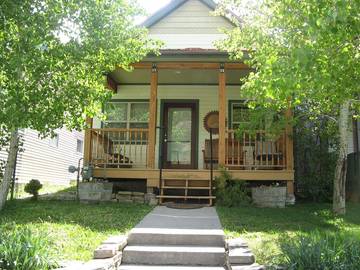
(179, 135)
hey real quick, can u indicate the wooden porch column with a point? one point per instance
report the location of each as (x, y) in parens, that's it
(289, 148)
(222, 115)
(87, 141)
(152, 117)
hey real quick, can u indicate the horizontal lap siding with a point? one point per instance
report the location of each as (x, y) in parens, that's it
(190, 26)
(207, 96)
(47, 163)
(189, 40)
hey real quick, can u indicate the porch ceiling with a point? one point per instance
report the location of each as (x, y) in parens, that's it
(178, 76)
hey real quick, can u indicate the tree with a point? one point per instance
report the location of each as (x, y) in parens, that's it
(305, 53)
(54, 54)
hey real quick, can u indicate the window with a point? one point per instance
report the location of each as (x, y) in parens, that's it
(239, 113)
(126, 115)
(54, 140)
(79, 146)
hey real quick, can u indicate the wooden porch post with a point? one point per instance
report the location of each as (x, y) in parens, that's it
(222, 115)
(289, 148)
(152, 117)
(87, 141)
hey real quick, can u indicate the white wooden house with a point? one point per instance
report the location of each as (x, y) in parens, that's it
(156, 117)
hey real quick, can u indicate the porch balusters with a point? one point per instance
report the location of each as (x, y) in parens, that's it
(119, 148)
(255, 151)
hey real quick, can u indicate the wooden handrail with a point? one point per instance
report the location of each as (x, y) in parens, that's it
(120, 129)
(119, 147)
(255, 151)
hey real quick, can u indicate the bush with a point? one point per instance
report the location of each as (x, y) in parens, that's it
(229, 191)
(314, 162)
(319, 251)
(33, 188)
(21, 249)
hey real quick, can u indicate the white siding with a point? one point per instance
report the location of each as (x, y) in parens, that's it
(207, 96)
(47, 163)
(190, 26)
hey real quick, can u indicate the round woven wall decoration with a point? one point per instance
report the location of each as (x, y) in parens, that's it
(211, 121)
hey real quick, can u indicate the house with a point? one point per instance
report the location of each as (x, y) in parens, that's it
(48, 159)
(160, 117)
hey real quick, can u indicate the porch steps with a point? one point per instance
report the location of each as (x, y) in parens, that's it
(185, 189)
(176, 187)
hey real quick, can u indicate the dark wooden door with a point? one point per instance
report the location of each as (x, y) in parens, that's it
(179, 136)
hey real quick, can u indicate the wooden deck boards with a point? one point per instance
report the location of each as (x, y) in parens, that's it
(152, 175)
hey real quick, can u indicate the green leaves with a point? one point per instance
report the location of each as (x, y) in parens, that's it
(306, 50)
(54, 54)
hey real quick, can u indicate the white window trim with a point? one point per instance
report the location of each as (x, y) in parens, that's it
(128, 121)
(82, 150)
(51, 139)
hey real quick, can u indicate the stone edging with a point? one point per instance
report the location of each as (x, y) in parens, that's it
(239, 256)
(107, 256)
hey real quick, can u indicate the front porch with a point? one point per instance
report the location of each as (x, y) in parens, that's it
(138, 150)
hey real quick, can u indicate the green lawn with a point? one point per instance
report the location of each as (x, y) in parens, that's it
(262, 227)
(74, 229)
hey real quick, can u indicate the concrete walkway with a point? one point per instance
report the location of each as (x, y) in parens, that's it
(163, 217)
(176, 239)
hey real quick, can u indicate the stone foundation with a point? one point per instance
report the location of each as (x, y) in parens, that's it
(268, 196)
(95, 192)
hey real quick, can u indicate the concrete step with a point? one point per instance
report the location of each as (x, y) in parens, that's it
(174, 255)
(254, 266)
(168, 267)
(184, 237)
(241, 255)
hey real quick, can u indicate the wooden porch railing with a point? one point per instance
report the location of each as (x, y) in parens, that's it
(255, 151)
(119, 147)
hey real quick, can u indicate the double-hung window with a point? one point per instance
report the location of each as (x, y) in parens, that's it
(127, 115)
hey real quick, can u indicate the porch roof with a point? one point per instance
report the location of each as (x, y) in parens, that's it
(205, 73)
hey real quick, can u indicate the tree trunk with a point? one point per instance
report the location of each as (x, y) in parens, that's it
(339, 197)
(9, 169)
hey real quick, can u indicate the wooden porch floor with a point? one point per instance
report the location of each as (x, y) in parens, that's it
(152, 175)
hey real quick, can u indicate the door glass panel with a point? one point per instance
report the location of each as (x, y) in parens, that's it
(179, 136)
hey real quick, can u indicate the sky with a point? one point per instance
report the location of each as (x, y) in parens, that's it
(151, 6)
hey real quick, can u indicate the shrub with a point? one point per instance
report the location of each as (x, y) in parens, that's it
(314, 162)
(229, 191)
(21, 249)
(318, 251)
(33, 188)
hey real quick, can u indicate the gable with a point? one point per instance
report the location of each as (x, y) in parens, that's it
(189, 18)
(189, 25)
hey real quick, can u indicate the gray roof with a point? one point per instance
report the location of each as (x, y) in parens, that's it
(174, 4)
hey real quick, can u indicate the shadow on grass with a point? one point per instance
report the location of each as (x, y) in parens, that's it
(100, 217)
(302, 217)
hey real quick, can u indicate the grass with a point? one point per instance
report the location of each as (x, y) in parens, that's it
(74, 229)
(47, 188)
(263, 227)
